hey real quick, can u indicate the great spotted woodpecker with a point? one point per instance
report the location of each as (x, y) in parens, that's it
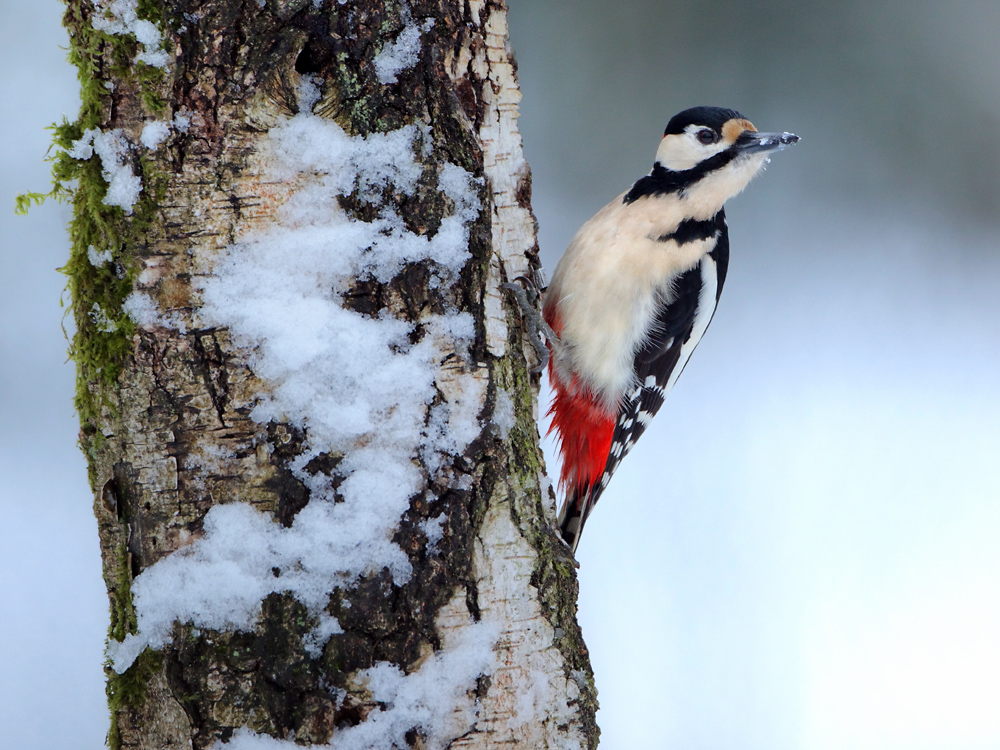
(634, 293)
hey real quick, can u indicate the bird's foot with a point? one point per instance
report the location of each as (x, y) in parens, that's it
(526, 294)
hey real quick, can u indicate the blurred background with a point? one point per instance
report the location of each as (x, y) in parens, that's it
(803, 552)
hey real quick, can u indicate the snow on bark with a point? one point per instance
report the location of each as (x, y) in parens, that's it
(401, 53)
(436, 697)
(114, 149)
(120, 17)
(355, 383)
(532, 700)
(292, 457)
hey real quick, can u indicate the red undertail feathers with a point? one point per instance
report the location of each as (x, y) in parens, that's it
(584, 429)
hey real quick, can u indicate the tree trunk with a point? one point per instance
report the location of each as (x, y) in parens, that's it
(310, 423)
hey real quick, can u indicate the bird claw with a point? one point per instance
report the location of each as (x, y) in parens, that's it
(526, 294)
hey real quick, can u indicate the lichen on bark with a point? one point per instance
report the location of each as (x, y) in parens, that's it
(166, 404)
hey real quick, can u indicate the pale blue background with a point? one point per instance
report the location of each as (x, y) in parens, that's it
(802, 553)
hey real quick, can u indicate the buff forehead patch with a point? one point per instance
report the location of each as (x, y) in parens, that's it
(732, 129)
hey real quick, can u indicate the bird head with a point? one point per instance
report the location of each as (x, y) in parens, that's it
(712, 153)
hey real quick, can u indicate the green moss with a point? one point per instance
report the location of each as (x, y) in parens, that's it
(103, 338)
(124, 48)
(153, 10)
(123, 619)
(129, 689)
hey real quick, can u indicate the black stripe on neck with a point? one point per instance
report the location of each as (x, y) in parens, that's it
(662, 181)
(692, 230)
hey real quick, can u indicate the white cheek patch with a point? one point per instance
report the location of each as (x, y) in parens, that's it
(682, 151)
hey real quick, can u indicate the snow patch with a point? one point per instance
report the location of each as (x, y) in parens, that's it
(433, 529)
(182, 121)
(402, 53)
(309, 93)
(436, 698)
(220, 581)
(101, 320)
(360, 386)
(146, 314)
(154, 133)
(97, 257)
(112, 147)
(120, 17)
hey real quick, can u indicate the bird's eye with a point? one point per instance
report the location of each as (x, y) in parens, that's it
(707, 136)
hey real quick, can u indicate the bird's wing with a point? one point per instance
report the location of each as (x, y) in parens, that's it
(678, 326)
(660, 361)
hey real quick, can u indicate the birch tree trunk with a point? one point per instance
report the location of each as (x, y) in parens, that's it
(310, 424)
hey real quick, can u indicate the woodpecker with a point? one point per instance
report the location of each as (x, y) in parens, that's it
(634, 293)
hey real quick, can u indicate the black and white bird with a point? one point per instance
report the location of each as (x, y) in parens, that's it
(634, 293)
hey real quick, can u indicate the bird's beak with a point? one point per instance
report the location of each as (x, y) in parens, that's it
(751, 142)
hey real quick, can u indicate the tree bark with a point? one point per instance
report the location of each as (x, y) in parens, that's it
(182, 419)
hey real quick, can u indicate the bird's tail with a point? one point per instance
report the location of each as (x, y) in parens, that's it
(573, 514)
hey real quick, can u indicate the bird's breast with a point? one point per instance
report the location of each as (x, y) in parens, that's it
(607, 288)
